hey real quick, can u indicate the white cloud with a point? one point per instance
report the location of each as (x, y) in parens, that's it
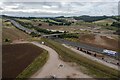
(62, 8)
(59, 0)
(44, 6)
(10, 7)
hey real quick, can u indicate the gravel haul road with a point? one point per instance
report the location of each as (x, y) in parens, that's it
(56, 67)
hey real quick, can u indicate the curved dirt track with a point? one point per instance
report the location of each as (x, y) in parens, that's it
(52, 66)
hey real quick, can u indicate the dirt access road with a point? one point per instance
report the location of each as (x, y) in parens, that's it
(52, 68)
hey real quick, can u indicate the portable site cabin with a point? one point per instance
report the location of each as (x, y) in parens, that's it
(110, 52)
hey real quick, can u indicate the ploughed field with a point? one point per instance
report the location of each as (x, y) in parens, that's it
(16, 57)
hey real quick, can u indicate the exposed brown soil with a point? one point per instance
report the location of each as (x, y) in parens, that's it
(100, 41)
(16, 57)
(87, 37)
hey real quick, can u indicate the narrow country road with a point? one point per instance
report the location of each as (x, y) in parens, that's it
(52, 66)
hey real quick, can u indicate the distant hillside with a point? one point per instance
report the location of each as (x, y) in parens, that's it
(106, 21)
(90, 18)
(84, 17)
(116, 18)
(95, 18)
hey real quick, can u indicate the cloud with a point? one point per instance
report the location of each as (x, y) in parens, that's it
(1, 8)
(59, 0)
(60, 8)
(44, 6)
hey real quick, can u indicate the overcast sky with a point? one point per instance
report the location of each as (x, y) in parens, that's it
(59, 8)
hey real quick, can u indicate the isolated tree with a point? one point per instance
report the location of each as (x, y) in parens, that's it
(39, 24)
(50, 24)
(33, 34)
(7, 40)
(107, 24)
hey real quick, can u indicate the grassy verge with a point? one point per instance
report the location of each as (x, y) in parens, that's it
(94, 68)
(34, 66)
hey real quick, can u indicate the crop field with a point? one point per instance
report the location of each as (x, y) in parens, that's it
(16, 57)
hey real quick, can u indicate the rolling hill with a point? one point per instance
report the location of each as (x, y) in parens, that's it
(105, 21)
(12, 33)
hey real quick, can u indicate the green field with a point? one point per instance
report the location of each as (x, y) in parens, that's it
(108, 21)
(24, 20)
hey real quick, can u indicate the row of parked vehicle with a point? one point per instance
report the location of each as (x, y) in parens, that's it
(91, 53)
(95, 55)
